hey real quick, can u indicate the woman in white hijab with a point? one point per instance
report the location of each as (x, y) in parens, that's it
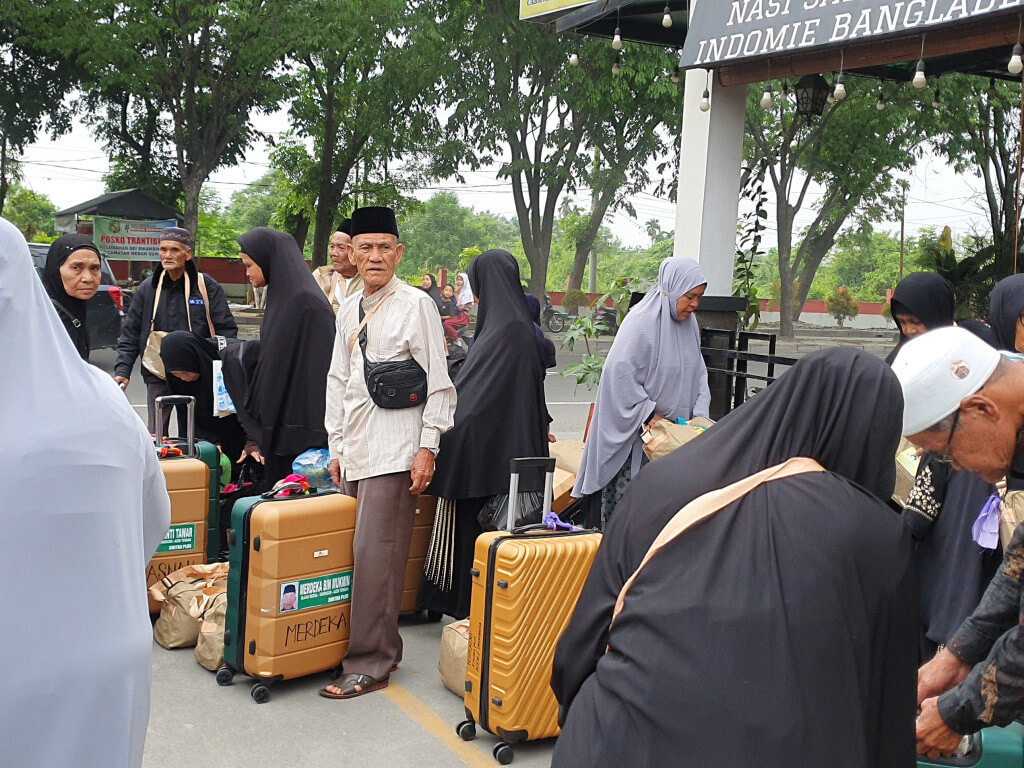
(653, 371)
(84, 506)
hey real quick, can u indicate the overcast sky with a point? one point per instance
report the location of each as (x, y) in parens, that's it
(70, 170)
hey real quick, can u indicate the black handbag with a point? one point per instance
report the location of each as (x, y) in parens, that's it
(401, 384)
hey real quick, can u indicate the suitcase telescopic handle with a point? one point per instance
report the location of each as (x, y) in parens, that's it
(190, 405)
(515, 467)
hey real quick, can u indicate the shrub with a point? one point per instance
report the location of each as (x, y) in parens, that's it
(840, 305)
(573, 300)
(887, 311)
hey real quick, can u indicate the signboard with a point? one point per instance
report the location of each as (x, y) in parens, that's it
(130, 240)
(536, 9)
(725, 31)
(179, 538)
(299, 594)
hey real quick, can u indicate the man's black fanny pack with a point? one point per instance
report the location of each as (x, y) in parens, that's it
(401, 384)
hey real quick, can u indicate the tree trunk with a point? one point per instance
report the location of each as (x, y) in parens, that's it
(785, 229)
(191, 186)
(301, 233)
(326, 207)
(4, 183)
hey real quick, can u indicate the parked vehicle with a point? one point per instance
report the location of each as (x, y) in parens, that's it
(552, 319)
(607, 320)
(105, 309)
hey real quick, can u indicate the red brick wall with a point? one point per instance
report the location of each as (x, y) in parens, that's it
(818, 307)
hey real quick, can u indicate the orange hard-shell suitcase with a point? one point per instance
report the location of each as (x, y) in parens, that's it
(289, 587)
(525, 586)
(426, 507)
(188, 485)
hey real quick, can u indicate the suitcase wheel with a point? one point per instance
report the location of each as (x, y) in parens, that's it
(260, 693)
(503, 753)
(466, 730)
(225, 676)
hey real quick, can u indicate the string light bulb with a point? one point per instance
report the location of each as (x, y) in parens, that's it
(992, 92)
(617, 40)
(937, 98)
(1016, 65)
(675, 75)
(705, 101)
(840, 90)
(766, 98)
(574, 59)
(880, 104)
(615, 67)
(920, 81)
(666, 20)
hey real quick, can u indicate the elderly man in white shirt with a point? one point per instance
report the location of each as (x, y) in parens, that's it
(383, 442)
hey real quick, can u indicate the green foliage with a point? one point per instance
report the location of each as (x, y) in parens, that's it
(573, 300)
(775, 294)
(971, 277)
(440, 232)
(32, 213)
(586, 372)
(749, 253)
(887, 311)
(841, 306)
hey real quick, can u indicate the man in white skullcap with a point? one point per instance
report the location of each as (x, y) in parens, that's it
(964, 403)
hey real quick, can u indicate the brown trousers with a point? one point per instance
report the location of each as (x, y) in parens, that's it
(385, 512)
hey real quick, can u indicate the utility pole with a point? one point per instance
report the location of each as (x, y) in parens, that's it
(903, 222)
(592, 277)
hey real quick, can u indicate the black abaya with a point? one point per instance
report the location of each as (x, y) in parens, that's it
(187, 351)
(71, 311)
(287, 391)
(778, 632)
(501, 415)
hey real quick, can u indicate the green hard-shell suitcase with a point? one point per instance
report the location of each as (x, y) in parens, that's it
(289, 587)
(990, 748)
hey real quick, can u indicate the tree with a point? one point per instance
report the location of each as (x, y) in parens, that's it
(840, 305)
(35, 76)
(30, 212)
(364, 95)
(978, 130)
(507, 86)
(211, 65)
(853, 151)
(626, 119)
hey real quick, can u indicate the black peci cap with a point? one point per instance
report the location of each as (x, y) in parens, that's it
(374, 220)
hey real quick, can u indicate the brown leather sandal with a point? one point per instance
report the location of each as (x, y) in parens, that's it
(352, 685)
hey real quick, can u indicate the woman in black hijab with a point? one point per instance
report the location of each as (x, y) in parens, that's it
(922, 301)
(545, 347)
(429, 284)
(72, 277)
(284, 396)
(501, 415)
(780, 630)
(1005, 310)
(188, 359)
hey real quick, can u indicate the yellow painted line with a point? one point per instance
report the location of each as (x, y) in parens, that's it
(433, 723)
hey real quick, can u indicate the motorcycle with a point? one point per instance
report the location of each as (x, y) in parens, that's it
(551, 318)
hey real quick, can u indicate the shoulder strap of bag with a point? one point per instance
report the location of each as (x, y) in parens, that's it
(206, 304)
(704, 506)
(156, 300)
(371, 313)
(64, 311)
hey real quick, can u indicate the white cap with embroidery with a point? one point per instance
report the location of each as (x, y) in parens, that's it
(937, 370)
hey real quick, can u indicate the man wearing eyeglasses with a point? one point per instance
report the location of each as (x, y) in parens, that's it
(964, 403)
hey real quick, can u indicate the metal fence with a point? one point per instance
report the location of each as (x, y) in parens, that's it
(736, 373)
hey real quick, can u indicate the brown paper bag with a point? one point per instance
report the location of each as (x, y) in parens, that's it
(568, 455)
(210, 611)
(454, 650)
(663, 436)
(175, 627)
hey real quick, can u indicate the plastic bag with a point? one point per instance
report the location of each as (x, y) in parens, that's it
(222, 403)
(314, 464)
(493, 516)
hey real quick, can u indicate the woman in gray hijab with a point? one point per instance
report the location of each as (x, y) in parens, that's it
(654, 370)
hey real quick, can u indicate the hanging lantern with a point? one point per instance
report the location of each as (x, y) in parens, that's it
(812, 93)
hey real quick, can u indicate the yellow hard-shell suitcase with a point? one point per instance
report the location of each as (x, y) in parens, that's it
(188, 485)
(289, 587)
(426, 507)
(525, 586)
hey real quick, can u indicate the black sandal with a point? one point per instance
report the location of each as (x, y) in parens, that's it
(352, 685)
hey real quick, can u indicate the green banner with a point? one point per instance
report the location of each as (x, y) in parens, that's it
(179, 538)
(129, 239)
(313, 593)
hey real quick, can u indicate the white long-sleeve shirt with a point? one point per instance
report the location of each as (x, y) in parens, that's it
(367, 440)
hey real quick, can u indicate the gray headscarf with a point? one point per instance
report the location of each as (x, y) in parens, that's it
(654, 366)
